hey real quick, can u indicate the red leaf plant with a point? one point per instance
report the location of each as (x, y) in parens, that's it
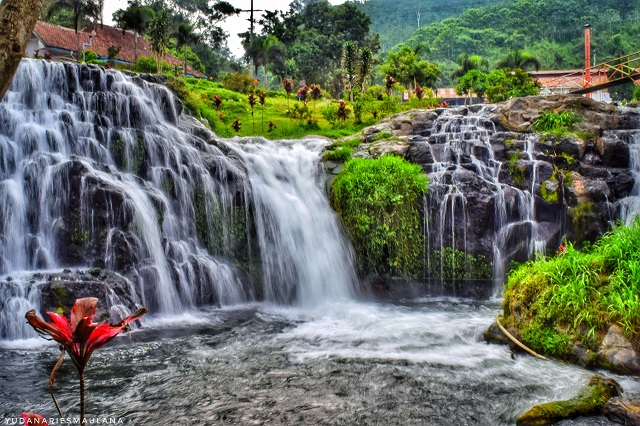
(79, 337)
(34, 419)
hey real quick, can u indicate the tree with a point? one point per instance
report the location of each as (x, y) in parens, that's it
(350, 55)
(504, 84)
(365, 69)
(468, 63)
(518, 59)
(474, 81)
(159, 35)
(135, 18)
(407, 67)
(184, 36)
(17, 20)
(82, 10)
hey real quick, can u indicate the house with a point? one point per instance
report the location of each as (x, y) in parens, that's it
(63, 44)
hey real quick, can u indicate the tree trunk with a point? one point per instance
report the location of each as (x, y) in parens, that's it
(135, 48)
(17, 19)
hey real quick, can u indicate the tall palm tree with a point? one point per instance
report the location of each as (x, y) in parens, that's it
(185, 36)
(519, 59)
(83, 10)
(135, 18)
(468, 63)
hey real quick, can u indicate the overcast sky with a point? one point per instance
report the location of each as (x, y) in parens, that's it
(233, 25)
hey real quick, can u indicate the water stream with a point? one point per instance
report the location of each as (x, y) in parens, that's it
(420, 362)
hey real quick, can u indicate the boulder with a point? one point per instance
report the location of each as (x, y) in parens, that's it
(590, 401)
(625, 411)
(616, 353)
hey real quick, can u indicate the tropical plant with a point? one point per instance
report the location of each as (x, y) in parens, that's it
(518, 59)
(217, 101)
(82, 10)
(409, 69)
(135, 18)
(343, 111)
(474, 81)
(389, 83)
(252, 102)
(184, 36)
(236, 125)
(550, 121)
(79, 337)
(467, 63)
(350, 53)
(287, 85)
(262, 96)
(316, 93)
(159, 35)
(365, 68)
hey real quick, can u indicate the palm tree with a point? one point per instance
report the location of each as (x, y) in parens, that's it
(135, 18)
(184, 36)
(83, 10)
(468, 63)
(519, 59)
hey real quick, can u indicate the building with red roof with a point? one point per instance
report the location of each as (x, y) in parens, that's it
(63, 44)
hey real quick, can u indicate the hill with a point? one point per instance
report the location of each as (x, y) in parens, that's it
(396, 21)
(552, 30)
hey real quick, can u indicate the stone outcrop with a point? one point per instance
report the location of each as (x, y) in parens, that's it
(622, 410)
(590, 401)
(484, 160)
(616, 353)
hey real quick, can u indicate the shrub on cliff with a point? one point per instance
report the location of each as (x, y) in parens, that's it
(379, 202)
(555, 301)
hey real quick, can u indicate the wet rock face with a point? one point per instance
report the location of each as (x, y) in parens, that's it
(617, 354)
(497, 189)
(625, 411)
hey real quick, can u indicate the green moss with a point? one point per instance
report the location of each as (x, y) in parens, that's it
(60, 295)
(382, 135)
(580, 218)
(118, 150)
(456, 264)
(340, 154)
(516, 170)
(589, 402)
(378, 200)
(96, 272)
(548, 195)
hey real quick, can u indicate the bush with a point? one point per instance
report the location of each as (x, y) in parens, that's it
(379, 202)
(90, 57)
(149, 64)
(554, 122)
(340, 154)
(237, 82)
(576, 295)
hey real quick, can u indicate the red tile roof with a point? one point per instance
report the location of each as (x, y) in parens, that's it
(59, 37)
(105, 37)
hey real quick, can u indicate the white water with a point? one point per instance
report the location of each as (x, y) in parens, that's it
(630, 206)
(96, 169)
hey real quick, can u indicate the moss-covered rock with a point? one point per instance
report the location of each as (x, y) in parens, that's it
(590, 401)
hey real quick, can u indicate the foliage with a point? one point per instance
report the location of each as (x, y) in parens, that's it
(503, 84)
(449, 263)
(378, 201)
(409, 69)
(343, 111)
(238, 82)
(350, 53)
(159, 34)
(474, 81)
(516, 170)
(113, 52)
(577, 295)
(469, 63)
(553, 122)
(518, 59)
(149, 64)
(80, 12)
(90, 56)
(341, 154)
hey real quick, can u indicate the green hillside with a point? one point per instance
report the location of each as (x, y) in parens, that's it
(396, 21)
(552, 30)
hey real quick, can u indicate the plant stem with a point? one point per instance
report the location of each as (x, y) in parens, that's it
(82, 398)
(54, 372)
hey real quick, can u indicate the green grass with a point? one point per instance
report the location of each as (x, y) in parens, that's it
(289, 118)
(557, 124)
(577, 295)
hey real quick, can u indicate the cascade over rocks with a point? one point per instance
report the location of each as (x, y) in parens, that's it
(501, 191)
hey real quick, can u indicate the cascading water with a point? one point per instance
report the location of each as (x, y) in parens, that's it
(98, 168)
(464, 164)
(630, 206)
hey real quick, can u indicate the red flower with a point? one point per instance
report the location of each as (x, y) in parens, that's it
(34, 419)
(80, 336)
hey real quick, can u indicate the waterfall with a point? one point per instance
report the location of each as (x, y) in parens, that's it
(100, 169)
(463, 164)
(630, 206)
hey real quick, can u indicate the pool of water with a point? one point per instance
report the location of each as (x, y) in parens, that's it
(419, 362)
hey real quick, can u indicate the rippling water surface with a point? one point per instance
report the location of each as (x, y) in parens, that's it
(344, 364)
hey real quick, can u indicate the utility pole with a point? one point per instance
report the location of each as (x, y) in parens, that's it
(251, 31)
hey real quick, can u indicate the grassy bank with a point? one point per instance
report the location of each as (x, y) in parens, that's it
(576, 295)
(281, 116)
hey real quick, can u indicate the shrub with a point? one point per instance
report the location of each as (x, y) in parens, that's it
(553, 122)
(238, 82)
(378, 201)
(340, 154)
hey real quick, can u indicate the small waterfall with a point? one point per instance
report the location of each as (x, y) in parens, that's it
(100, 169)
(630, 206)
(464, 165)
(305, 257)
